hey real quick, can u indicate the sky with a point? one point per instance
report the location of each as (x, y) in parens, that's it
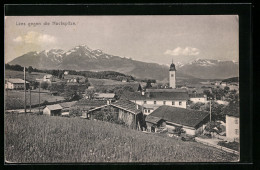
(155, 39)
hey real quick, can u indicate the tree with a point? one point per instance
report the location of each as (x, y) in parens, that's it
(44, 85)
(90, 93)
(148, 84)
(30, 69)
(226, 89)
(71, 92)
(35, 84)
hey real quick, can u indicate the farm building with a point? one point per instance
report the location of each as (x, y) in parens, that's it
(126, 111)
(232, 127)
(48, 78)
(198, 97)
(52, 110)
(191, 121)
(104, 96)
(159, 97)
(16, 84)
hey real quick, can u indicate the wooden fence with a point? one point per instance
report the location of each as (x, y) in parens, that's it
(217, 146)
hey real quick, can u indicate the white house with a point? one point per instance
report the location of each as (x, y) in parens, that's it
(198, 98)
(15, 84)
(48, 78)
(232, 127)
(159, 97)
(66, 72)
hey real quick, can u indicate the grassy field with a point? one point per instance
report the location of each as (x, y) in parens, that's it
(38, 138)
(15, 99)
(99, 82)
(19, 74)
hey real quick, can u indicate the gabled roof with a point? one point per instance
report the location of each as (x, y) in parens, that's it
(186, 117)
(86, 102)
(152, 119)
(16, 81)
(127, 106)
(156, 96)
(104, 95)
(198, 95)
(54, 107)
(166, 90)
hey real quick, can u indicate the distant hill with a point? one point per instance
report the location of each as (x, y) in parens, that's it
(231, 80)
(82, 58)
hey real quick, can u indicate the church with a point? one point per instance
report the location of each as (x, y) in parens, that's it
(151, 99)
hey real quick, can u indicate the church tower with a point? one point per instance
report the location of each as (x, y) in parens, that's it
(172, 76)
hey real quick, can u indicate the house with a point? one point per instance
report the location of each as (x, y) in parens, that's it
(232, 127)
(52, 110)
(217, 83)
(191, 121)
(200, 97)
(159, 97)
(126, 111)
(104, 96)
(48, 78)
(73, 80)
(124, 80)
(16, 84)
(66, 72)
(223, 84)
(149, 108)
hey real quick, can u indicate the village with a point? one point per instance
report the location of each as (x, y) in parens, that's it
(208, 114)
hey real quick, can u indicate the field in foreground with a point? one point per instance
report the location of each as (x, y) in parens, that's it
(15, 99)
(32, 138)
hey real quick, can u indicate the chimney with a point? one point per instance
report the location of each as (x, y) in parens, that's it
(108, 102)
(137, 106)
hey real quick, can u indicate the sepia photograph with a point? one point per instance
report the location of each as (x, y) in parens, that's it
(121, 89)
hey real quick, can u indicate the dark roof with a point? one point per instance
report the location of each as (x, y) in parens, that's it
(166, 90)
(95, 103)
(152, 119)
(193, 95)
(127, 105)
(157, 96)
(180, 116)
(172, 67)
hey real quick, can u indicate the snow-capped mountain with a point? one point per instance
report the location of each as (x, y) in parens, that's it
(84, 58)
(209, 69)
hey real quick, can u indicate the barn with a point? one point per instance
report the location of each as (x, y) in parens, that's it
(191, 121)
(125, 110)
(52, 110)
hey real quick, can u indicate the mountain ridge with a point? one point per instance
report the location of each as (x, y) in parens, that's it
(82, 58)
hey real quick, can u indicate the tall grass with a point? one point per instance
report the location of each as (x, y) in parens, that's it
(32, 138)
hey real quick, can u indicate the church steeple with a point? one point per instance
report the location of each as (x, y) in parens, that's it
(172, 67)
(172, 77)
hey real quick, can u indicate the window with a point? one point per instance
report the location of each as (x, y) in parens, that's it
(236, 131)
(173, 103)
(164, 102)
(145, 102)
(180, 103)
(236, 121)
(154, 102)
(172, 75)
(148, 111)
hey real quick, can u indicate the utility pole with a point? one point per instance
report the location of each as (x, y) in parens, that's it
(39, 96)
(24, 90)
(30, 100)
(210, 110)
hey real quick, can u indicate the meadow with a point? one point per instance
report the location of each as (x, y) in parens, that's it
(19, 74)
(37, 138)
(15, 99)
